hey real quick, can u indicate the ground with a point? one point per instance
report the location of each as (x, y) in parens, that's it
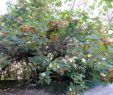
(12, 88)
(101, 90)
(26, 92)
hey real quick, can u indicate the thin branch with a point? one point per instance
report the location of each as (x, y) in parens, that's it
(109, 19)
(84, 6)
(73, 5)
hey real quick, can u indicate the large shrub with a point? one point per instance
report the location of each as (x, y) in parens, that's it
(69, 45)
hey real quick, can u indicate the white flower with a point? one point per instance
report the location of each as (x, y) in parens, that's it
(43, 74)
(83, 60)
(103, 59)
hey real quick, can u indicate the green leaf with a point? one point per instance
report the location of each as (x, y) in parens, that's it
(58, 3)
(110, 49)
(92, 37)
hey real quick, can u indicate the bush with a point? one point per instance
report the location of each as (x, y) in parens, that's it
(63, 45)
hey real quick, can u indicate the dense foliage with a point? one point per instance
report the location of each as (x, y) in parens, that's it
(73, 45)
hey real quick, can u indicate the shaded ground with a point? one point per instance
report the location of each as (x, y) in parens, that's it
(26, 92)
(12, 88)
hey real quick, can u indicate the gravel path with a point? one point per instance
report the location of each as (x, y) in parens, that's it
(101, 90)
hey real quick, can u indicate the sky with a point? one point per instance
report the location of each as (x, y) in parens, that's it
(3, 6)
